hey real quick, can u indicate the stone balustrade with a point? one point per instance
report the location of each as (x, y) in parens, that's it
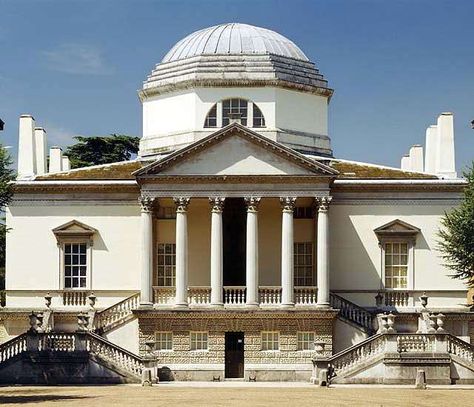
(235, 296)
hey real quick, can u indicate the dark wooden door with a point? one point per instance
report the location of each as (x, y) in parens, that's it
(234, 354)
(234, 227)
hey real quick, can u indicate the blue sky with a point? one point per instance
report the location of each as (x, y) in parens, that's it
(395, 65)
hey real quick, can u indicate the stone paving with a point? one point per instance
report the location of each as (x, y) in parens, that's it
(236, 394)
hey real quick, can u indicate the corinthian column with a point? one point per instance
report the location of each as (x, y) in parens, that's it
(146, 249)
(251, 264)
(287, 267)
(217, 257)
(323, 251)
(181, 298)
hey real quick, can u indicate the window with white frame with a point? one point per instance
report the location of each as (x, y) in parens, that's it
(211, 118)
(235, 108)
(166, 268)
(199, 340)
(258, 119)
(303, 264)
(305, 340)
(75, 265)
(397, 240)
(396, 264)
(270, 340)
(164, 341)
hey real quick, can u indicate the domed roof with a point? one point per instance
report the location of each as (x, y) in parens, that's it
(234, 39)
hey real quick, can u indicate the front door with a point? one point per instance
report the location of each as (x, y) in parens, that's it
(234, 354)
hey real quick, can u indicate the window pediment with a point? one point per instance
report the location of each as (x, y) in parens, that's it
(74, 229)
(397, 229)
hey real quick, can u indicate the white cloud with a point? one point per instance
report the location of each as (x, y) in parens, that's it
(76, 58)
(59, 136)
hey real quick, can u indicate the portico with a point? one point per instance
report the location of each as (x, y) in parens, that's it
(294, 182)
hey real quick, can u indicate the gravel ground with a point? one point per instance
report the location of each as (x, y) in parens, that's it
(234, 395)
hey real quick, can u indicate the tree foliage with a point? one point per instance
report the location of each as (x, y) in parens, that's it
(457, 235)
(101, 150)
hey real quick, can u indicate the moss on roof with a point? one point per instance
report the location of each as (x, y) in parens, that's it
(124, 170)
(115, 171)
(350, 170)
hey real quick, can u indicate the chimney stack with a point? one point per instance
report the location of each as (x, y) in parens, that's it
(406, 164)
(445, 161)
(41, 150)
(416, 158)
(431, 149)
(66, 164)
(55, 159)
(26, 147)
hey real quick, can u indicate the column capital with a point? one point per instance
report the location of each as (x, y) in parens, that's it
(217, 204)
(288, 203)
(146, 203)
(323, 202)
(181, 204)
(252, 203)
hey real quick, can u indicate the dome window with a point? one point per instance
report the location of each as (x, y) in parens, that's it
(258, 119)
(211, 118)
(238, 110)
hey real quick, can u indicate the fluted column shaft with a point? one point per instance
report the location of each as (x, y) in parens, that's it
(181, 298)
(323, 251)
(217, 252)
(251, 263)
(287, 266)
(146, 250)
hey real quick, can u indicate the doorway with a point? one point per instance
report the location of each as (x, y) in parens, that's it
(234, 355)
(234, 223)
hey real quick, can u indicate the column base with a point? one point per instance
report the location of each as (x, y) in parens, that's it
(288, 305)
(217, 304)
(146, 305)
(323, 305)
(251, 305)
(183, 305)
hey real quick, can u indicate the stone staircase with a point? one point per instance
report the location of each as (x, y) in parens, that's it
(115, 315)
(67, 358)
(353, 313)
(392, 358)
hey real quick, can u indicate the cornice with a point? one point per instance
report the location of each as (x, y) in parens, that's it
(237, 314)
(55, 187)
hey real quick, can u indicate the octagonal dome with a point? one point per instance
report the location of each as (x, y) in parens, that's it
(235, 39)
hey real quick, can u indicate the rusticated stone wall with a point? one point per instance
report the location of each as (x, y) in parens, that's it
(251, 323)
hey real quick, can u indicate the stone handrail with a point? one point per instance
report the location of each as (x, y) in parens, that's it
(199, 295)
(306, 295)
(270, 295)
(396, 298)
(352, 312)
(234, 295)
(350, 357)
(12, 347)
(163, 295)
(57, 341)
(460, 348)
(116, 355)
(74, 298)
(114, 315)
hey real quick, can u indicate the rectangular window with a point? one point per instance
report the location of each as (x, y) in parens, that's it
(234, 107)
(270, 340)
(164, 340)
(396, 264)
(305, 340)
(75, 265)
(166, 269)
(199, 340)
(303, 264)
(303, 212)
(166, 212)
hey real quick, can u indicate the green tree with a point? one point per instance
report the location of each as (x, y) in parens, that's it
(7, 175)
(101, 150)
(457, 235)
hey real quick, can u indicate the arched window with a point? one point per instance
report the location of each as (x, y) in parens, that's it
(227, 110)
(258, 119)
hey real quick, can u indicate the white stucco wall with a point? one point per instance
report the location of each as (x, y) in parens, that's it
(33, 255)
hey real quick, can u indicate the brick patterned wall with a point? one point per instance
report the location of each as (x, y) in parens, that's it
(217, 323)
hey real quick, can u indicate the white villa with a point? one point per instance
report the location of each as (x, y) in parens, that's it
(237, 244)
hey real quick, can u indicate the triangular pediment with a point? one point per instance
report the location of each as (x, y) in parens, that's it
(74, 227)
(397, 226)
(236, 151)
